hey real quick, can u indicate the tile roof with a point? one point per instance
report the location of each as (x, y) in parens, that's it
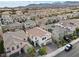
(13, 38)
(37, 32)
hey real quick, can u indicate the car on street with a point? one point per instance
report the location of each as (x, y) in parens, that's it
(68, 47)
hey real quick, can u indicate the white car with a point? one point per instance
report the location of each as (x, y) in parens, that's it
(68, 47)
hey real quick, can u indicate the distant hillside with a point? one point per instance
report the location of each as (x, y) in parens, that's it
(54, 5)
(50, 5)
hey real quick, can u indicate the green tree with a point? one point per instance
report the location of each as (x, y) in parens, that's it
(77, 31)
(33, 18)
(31, 51)
(42, 51)
(1, 47)
(24, 28)
(50, 30)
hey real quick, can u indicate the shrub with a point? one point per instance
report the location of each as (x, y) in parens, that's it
(33, 18)
(31, 51)
(42, 51)
(77, 29)
(1, 47)
(74, 37)
(50, 30)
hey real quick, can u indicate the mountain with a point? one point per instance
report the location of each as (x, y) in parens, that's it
(54, 5)
(57, 4)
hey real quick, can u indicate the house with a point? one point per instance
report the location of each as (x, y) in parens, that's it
(69, 24)
(63, 28)
(13, 26)
(7, 19)
(39, 36)
(19, 13)
(14, 42)
(29, 24)
(59, 32)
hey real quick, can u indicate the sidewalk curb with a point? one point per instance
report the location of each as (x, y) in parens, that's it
(52, 54)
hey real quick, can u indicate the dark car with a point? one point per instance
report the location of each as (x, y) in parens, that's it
(68, 47)
(68, 38)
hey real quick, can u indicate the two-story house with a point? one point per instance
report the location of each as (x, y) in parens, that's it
(39, 36)
(14, 42)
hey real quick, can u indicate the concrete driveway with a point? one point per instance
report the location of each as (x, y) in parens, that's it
(51, 47)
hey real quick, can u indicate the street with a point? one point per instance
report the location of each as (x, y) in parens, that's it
(72, 53)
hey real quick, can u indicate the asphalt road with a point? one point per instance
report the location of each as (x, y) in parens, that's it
(72, 53)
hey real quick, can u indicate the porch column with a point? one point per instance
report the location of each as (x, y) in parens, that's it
(35, 44)
(20, 52)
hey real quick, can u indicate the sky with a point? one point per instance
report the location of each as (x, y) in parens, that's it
(15, 3)
(19, 3)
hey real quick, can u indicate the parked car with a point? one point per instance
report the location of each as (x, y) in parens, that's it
(67, 38)
(68, 47)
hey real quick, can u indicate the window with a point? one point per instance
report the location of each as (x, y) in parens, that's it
(44, 38)
(12, 48)
(21, 43)
(24, 39)
(35, 38)
(32, 36)
(17, 46)
(7, 48)
(8, 51)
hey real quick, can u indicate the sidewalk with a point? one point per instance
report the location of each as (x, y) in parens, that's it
(52, 54)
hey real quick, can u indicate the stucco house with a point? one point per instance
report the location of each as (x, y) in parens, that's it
(14, 42)
(6, 18)
(29, 24)
(59, 32)
(39, 36)
(13, 26)
(63, 28)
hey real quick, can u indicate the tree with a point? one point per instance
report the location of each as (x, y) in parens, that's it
(50, 30)
(55, 21)
(24, 28)
(77, 31)
(33, 18)
(31, 51)
(42, 51)
(1, 47)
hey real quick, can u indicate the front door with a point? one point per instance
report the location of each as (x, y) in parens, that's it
(22, 50)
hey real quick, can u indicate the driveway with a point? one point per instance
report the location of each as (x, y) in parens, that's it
(51, 47)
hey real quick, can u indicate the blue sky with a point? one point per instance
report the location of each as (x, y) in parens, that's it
(24, 3)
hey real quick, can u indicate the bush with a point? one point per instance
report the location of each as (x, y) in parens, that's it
(31, 51)
(42, 51)
(33, 18)
(62, 42)
(50, 30)
(55, 21)
(1, 47)
(77, 29)
(74, 37)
